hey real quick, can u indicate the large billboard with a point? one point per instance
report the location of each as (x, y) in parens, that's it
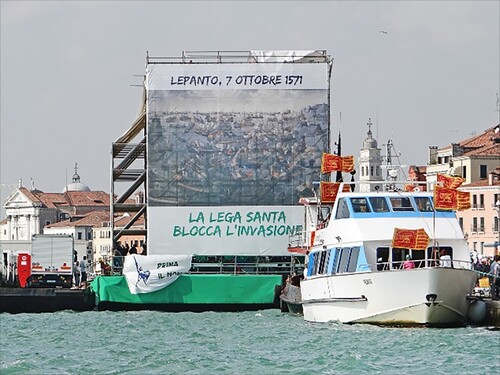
(227, 135)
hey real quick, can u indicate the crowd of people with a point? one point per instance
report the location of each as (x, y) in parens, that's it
(119, 252)
(488, 267)
(103, 266)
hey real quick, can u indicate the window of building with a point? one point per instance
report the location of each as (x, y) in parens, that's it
(474, 201)
(371, 170)
(483, 171)
(464, 171)
(79, 235)
(474, 225)
(481, 201)
(481, 224)
(461, 223)
(495, 224)
(474, 246)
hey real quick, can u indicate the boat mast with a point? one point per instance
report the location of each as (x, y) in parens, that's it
(339, 150)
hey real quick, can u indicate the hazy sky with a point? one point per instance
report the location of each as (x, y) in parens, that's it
(68, 70)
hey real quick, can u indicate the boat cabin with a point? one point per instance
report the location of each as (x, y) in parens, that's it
(355, 234)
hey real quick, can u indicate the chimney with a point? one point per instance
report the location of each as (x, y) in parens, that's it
(139, 198)
(433, 150)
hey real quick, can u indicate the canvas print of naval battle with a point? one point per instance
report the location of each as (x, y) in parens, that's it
(244, 147)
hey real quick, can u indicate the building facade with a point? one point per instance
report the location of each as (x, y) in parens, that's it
(480, 224)
(471, 159)
(477, 161)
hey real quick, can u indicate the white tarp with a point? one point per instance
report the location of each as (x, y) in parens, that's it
(230, 150)
(225, 81)
(287, 56)
(146, 274)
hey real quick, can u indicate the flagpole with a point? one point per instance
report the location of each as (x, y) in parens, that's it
(434, 250)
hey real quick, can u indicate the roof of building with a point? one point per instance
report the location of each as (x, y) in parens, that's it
(492, 180)
(482, 183)
(92, 219)
(485, 144)
(68, 198)
(121, 221)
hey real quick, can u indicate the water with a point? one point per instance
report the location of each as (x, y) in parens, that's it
(264, 342)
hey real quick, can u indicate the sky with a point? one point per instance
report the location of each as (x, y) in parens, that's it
(70, 72)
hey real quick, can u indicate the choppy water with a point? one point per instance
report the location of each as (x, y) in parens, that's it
(265, 342)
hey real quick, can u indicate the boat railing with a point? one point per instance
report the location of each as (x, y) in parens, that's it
(280, 267)
(422, 263)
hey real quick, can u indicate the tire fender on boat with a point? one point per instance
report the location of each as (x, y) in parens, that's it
(477, 311)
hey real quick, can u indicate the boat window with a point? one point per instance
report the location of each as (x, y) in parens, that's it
(321, 263)
(311, 265)
(401, 204)
(342, 210)
(360, 205)
(317, 257)
(397, 257)
(325, 212)
(418, 257)
(344, 258)
(353, 260)
(433, 254)
(334, 260)
(379, 204)
(424, 204)
(327, 260)
(382, 258)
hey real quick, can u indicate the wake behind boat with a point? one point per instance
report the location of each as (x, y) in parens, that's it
(384, 256)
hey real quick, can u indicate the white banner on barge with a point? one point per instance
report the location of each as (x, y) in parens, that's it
(146, 274)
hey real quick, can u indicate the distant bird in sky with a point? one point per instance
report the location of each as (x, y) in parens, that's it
(383, 32)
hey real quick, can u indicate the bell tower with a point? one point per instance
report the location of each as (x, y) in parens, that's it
(370, 161)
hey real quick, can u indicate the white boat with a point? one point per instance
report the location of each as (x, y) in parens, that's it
(355, 275)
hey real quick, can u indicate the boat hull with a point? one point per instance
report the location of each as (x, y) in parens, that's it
(424, 296)
(41, 300)
(291, 297)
